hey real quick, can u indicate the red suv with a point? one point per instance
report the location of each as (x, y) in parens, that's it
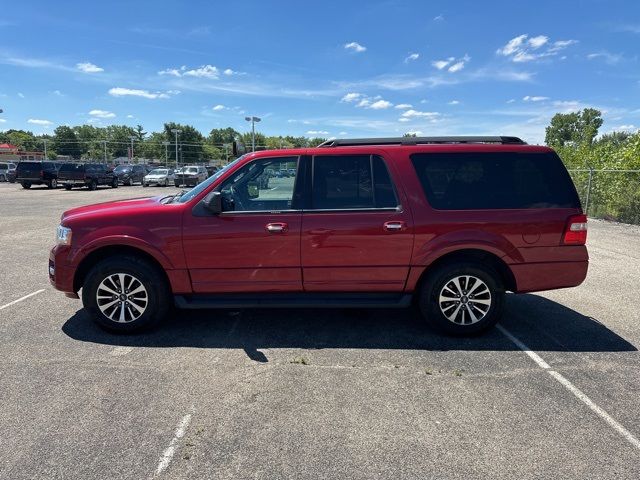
(448, 223)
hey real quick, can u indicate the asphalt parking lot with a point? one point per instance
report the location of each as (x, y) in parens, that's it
(314, 394)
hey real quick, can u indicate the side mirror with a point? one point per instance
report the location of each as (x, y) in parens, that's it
(213, 202)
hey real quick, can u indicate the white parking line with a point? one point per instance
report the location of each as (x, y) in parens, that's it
(119, 351)
(573, 389)
(168, 454)
(21, 299)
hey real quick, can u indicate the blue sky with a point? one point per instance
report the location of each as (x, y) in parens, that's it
(339, 69)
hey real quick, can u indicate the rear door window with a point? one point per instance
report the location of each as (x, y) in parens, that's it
(347, 182)
(494, 180)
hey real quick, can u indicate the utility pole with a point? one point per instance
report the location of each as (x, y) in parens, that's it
(132, 139)
(176, 131)
(45, 148)
(104, 144)
(253, 121)
(166, 154)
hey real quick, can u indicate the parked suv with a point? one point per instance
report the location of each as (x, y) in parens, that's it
(7, 171)
(89, 175)
(130, 174)
(447, 223)
(37, 173)
(190, 175)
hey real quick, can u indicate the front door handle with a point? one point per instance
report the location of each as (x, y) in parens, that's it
(394, 226)
(277, 227)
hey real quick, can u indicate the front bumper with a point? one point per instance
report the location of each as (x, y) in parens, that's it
(188, 181)
(155, 181)
(61, 274)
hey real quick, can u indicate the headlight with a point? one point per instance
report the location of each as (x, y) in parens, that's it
(63, 235)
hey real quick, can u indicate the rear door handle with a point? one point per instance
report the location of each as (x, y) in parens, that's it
(277, 227)
(394, 226)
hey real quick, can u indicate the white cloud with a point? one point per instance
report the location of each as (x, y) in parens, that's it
(355, 47)
(412, 57)
(342, 133)
(440, 64)
(130, 116)
(610, 58)
(228, 72)
(88, 67)
(219, 107)
(102, 113)
(134, 92)
(454, 64)
(626, 128)
(351, 97)
(526, 49)
(364, 103)
(418, 114)
(36, 121)
(404, 119)
(454, 102)
(537, 42)
(204, 71)
(438, 18)
(402, 106)
(511, 100)
(2, 120)
(529, 98)
(21, 95)
(58, 93)
(317, 132)
(380, 105)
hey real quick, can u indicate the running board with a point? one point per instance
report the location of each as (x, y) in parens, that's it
(296, 300)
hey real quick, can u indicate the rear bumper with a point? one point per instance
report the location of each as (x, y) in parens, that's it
(73, 182)
(534, 277)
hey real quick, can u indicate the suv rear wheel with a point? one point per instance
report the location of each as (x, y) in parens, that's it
(126, 294)
(53, 183)
(462, 298)
(93, 185)
(26, 185)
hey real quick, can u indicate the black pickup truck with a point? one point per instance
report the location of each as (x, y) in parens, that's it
(37, 173)
(88, 175)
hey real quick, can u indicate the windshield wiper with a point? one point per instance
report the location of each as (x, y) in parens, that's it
(177, 196)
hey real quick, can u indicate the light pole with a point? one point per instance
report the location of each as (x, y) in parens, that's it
(253, 121)
(45, 148)
(104, 144)
(132, 139)
(176, 131)
(166, 154)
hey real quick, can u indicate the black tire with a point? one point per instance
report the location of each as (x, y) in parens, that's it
(145, 184)
(177, 184)
(151, 277)
(114, 183)
(26, 185)
(93, 185)
(67, 187)
(127, 183)
(53, 183)
(434, 284)
(166, 183)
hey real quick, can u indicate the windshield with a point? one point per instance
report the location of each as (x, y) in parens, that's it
(195, 191)
(158, 171)
(122, 168)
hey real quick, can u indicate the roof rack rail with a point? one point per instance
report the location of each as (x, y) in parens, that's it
(421, 141)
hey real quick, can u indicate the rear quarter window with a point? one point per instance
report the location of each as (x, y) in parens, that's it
(495, 180)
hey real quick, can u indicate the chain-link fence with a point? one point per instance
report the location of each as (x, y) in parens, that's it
(609, 194)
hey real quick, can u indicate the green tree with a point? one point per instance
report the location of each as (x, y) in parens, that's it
(66, 142)
(575, 128)
(190, 144)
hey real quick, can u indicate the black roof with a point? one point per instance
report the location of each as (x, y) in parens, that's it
(422, 141)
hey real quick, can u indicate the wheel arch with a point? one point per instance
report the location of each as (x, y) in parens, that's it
(471, 255)
(101, 253)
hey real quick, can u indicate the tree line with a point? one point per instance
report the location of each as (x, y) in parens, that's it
(91, 142)
(604, 168)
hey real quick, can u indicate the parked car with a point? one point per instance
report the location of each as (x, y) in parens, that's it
(159, 177)
(190, 176)
(7, 171)
(211, 169)
(89, 175)
(447, 223)
(37, 173)
(130, 174)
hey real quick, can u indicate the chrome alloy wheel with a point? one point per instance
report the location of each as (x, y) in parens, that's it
(465, 300)
(122, 298)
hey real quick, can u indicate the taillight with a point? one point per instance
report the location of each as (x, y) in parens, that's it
(575, 233)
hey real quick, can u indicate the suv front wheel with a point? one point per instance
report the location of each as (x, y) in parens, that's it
(126, 294)
(462, 298)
